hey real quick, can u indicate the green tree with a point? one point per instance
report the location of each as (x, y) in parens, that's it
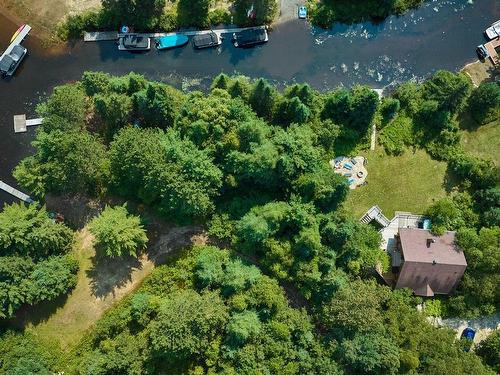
(489, 350)
(117, 233)
(263, 99)
(242, 326)
(484, 102)
(448, 89)
(142, 14)
(115, 110)
(96, 83)
(186, 325)
(67, 102)
(28, 231)
(264, 11)
(193, 12)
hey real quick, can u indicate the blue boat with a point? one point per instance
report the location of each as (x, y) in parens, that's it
(171, 41)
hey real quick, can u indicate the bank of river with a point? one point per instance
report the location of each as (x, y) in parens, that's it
(439, 35)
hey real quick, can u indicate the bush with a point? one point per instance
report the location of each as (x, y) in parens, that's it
(397, 135)
(219, 16)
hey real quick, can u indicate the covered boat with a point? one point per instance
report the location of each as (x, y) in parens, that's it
(250, 37)
(493, 31)
(9, 62)
(171, 41)
(208, 40)
(134, 42)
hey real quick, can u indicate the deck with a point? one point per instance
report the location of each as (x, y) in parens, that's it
(25, 31)
(491, 47)
(98, 36)
(21, 124)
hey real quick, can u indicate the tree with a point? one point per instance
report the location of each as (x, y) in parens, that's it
(117, 233)
(158, 105)
(292, 111)
(489, 350)
(242, 326)
(263, 98)
(193, 12)
(186, 325)
(448, 89)
(115, 110)
(263, 12)
(28, 231)
(141, 14)
(96, 83)
(67, 102)
(71, 161)
(484, 102)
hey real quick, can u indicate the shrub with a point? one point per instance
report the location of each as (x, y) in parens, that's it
(484, 103)
(398, 134)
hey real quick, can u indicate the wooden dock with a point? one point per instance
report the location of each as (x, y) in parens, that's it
(491, 47)
(98, 36)
(25, 31)
(16, 193)
(21, 124)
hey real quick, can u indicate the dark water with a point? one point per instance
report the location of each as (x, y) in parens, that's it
(439, 35)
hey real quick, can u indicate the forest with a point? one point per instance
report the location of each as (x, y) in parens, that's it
(285, 281)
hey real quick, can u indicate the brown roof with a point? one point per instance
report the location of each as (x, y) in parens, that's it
(441, 249)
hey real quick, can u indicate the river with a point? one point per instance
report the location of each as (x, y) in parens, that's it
(442, 34)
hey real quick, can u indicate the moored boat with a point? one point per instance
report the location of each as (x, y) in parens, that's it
(9, 62)
(134, 42)
(171, 41)
(250, 37)
(208, 40)
(18, 31)
(493, 31)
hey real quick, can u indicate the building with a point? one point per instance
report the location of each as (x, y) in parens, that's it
(426, 263)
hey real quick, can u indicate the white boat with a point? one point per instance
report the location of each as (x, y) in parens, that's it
(493, 31)
(134, 42)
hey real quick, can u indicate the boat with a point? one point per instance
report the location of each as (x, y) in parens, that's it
(482, 52)
(493, 31)
(302, 12)
(250, 37)
(18, 31)
(208, 40)
(9, 62)
(171, 41)
(134, 42)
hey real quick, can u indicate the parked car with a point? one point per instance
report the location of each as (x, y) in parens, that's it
(208, 40)
(250, 37)
(11, 61)
(493, 31)
(482, 52)
(302, 12)
(134, 42)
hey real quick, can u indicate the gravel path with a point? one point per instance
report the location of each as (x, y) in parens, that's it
(483, 326)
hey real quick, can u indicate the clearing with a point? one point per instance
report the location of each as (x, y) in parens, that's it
(100, 285)
(409, 182)
(483, 141)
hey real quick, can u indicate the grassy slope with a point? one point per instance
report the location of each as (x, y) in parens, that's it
(84, 305)
(410, 182)
(484, 141)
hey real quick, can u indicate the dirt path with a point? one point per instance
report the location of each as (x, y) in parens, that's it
(100, 285)
(483, 326)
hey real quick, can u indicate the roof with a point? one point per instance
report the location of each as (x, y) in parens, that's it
(421, 246)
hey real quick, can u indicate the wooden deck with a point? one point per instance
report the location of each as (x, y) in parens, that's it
(21, 124)
(491, 47)
(98, 36)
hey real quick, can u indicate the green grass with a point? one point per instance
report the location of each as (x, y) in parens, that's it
(483, 141)
(409, 182)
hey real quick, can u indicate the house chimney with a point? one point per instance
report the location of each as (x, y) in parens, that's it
(429, 241)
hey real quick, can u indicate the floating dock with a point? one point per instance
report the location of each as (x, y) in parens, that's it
(21, 124)
(16, 193)
(98, 36)
(17, 40)
(491, 47)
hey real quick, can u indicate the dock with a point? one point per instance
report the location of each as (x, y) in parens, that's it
(491, 47)
(21, 124)
(16, 193)
(98, 36)
(19, 38)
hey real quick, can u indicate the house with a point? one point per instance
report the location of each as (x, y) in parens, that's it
(426, 263)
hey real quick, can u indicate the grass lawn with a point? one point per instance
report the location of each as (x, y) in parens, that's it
(410, 182)
(483, 141)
